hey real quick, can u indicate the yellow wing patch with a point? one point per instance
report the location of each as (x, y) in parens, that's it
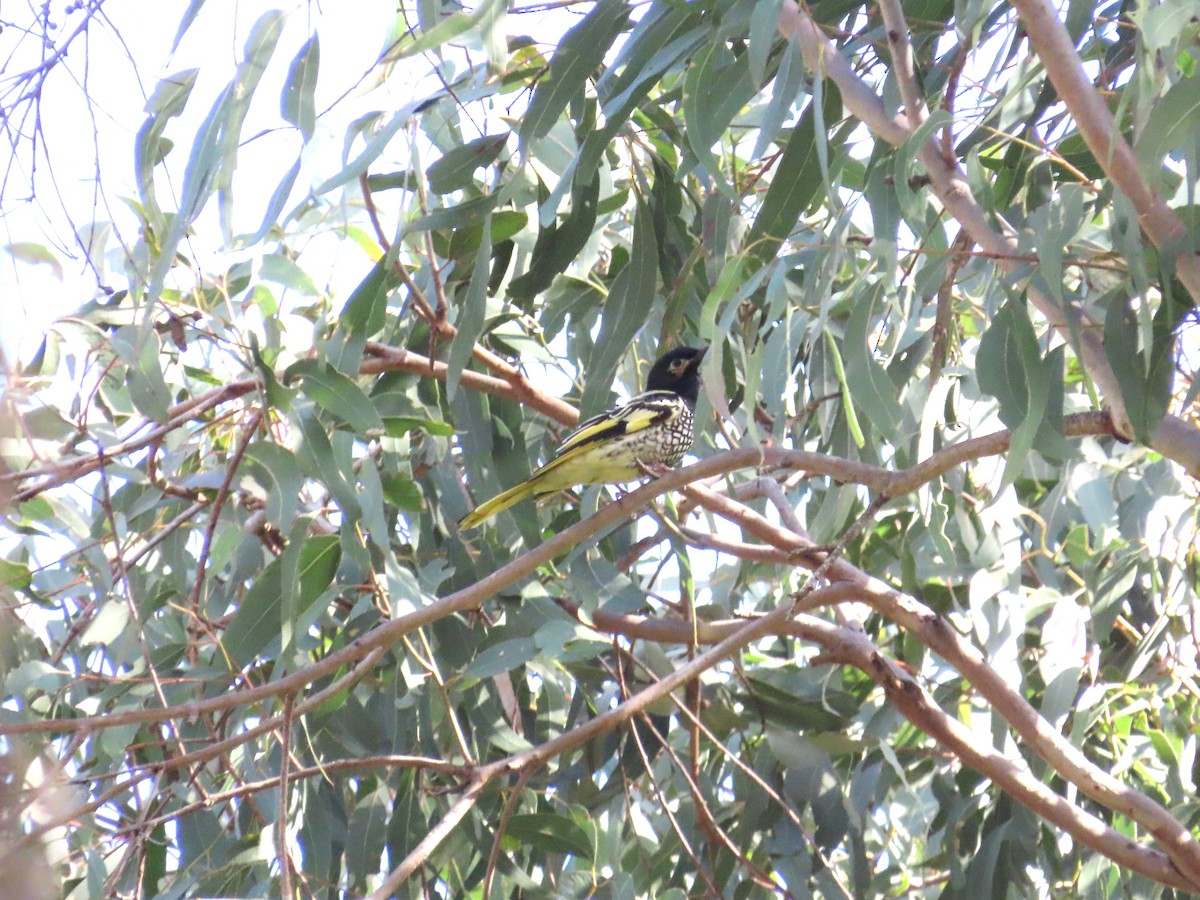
(640, 412)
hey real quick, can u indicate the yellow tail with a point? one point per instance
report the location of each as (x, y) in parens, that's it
(573, 467)
(497, 504)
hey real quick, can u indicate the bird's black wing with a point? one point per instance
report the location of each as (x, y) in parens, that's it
(642, 411)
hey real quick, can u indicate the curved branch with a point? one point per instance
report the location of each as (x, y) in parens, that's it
(383, 359)
(902, 61)
(1056, 52)
(851, 647)
(937, 634)
(1174, 438)
(882, 480)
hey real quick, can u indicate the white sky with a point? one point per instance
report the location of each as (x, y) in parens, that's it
(86, 166)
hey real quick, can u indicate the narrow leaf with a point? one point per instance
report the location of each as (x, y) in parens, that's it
(298, 105)
(625, 311)
(550, 833)
(796, 182)
(579, 54)
(472, 314)
(455, 169)
(336, 394)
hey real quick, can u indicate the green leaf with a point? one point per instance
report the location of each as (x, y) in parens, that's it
(408, 823)
(663, 39)
(503, 656)
(472, 314)
(848, 404)
(796, 182)
(550, 833)
(367, 831)
(1173, 124)
(456, 168)
(764, 25)
(449, 28)
(507, 223)
(36, 254)
(143, 376)
(788, 85)
(213, 158)
(365, 312)
(400, 411)
(297, 105)
(401, 491)
(716, 88)
(913, 202)
(277, 469)
(320, 556)
(283, 270)
(14, 575)
(625, 311)
(185, 22)
(279, 396)
(467, 214)
(279, 198)
(564, 297)
(398, 426)
(260, 46)
(1009, 367)
(579, 54)
(1144, 377)
(370, 497)
(168, 100)
(379, 140)
(336, 394)
(1049, 230)
(256, 624)
(874, 392)
(317, 458)
(558, 244)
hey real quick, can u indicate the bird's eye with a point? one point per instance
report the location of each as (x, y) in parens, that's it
(677, 367)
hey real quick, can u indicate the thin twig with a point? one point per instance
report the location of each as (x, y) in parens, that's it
(282, 850)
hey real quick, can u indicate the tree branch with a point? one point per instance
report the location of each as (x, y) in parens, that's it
(902, 62)
(852, 647)
(1174, 438)
(887, 483)
(1056, 52)
(937, 634)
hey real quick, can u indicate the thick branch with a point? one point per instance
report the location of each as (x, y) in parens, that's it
(852, 647)
(1056, 52)
(937, 634)
(1173, 438)
(383, 359)
(888, 483)
(902, 61)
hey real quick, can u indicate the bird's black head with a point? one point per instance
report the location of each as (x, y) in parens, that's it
(678, 371)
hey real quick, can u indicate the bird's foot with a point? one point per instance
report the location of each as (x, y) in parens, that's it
(654, 470)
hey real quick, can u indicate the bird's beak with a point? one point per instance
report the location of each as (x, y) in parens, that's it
(696, 360)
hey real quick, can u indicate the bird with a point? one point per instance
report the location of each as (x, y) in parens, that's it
(653, 428)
